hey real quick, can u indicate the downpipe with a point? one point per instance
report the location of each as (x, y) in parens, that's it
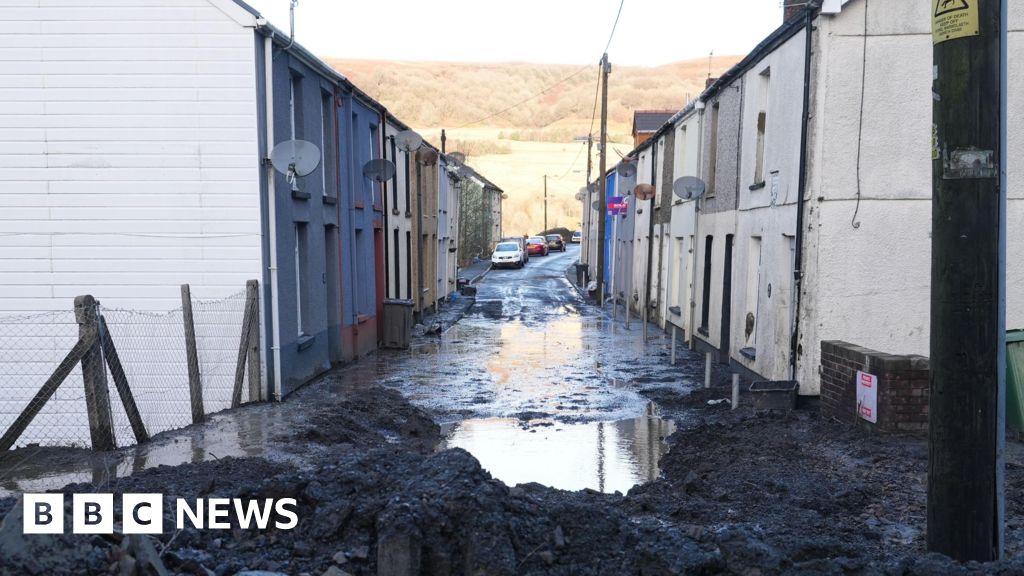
(275, 312)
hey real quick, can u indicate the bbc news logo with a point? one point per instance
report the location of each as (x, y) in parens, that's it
(144, 513)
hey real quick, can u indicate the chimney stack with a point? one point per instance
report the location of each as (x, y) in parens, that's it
(793, 9)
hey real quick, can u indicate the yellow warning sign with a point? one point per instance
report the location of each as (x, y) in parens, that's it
(954, 19)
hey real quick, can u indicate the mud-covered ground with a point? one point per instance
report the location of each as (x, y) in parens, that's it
(739, 493)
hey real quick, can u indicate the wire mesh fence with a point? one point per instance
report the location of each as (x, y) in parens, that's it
(102, 377)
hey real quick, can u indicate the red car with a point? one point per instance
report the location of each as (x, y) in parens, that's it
(536, 246)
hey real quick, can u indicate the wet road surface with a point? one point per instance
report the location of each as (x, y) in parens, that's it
(534, 383)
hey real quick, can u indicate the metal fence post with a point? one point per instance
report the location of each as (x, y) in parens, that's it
(94, 376)
(195, 385)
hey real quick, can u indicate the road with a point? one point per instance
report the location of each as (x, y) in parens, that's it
(539, 386)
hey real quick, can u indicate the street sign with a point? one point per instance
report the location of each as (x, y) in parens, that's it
(617, 206)
(867, 396)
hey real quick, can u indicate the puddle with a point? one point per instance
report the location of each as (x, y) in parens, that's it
(602, 456)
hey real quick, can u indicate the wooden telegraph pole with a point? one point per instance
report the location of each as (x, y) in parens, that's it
(965, 431)
(602, 213)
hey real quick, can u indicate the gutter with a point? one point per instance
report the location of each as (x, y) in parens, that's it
(798, 273)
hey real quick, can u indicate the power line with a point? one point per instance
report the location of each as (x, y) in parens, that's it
(614, 26)
(521, 102)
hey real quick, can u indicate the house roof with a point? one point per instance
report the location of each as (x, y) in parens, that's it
(282, 39)
(645, 121)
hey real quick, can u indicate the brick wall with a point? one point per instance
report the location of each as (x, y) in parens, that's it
(902, 387)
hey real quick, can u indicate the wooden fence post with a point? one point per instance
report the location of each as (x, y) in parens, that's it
(94, 376)
(121, 382)
(195, 385)
(243, 352)
(45, 393)
(252, 294)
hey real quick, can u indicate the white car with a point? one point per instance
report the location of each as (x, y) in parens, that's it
(577, 237)
(508, 254)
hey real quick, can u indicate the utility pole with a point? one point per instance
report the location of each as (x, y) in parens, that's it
(965, 423)
(588, 205)
(601, 222)
(545, 203)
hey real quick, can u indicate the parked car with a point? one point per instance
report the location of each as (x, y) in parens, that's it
(537, 246)
(521, 242)
(508, 255)
(555, 242)
(577, 237)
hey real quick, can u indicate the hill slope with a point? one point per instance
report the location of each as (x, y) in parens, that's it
(517, 122)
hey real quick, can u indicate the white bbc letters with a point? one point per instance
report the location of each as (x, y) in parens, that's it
(43, 514)
(92, 513)
(142, 513)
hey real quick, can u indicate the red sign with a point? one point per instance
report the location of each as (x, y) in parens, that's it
(616, 206)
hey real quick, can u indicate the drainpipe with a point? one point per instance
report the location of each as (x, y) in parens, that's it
(275, 312)
(699, 106)
(798, 257)
(650, 237)
(419, 237)
(337, 210)
(384, 204)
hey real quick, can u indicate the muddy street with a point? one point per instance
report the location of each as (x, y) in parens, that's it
(534, 436)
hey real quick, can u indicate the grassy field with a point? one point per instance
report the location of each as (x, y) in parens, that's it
(493, 114)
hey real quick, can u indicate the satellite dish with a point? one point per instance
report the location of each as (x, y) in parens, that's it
(407, 140)
(427, 156)
(596, 205)
(626, 169)
(689, 187)
(379, 170)
(579, 196)
(644, 192)
(294, 159)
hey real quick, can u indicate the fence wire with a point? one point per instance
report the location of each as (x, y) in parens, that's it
(151, 350)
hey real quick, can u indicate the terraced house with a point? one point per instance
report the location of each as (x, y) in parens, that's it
(815, 225)
(137, 141)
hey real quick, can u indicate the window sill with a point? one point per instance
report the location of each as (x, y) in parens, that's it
(378, 208)
(359, 205)
(703, 331)
(757, 185)
(676, 310)
(362, 318)
(330, 200)
(305, 341)
(749, 353)
(300, 195)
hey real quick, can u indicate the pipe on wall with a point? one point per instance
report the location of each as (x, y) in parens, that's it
(802, 189)
(275, 312)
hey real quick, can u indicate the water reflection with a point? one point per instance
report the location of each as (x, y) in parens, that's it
(603, 456)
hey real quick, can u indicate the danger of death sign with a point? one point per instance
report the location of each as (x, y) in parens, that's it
(954, 19)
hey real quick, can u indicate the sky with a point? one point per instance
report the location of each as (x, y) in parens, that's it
(649, 32)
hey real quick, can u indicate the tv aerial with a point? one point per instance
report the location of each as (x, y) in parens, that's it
(295, 159)
(379, 170)
(689, 187)
(407, 141)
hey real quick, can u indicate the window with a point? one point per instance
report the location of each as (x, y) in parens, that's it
(394, 187)
(303, 311)
(762, 124)
(713, 152)
(397, 264)
(327, 166)
(374, 153)
(705, 305)
(295, 107)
